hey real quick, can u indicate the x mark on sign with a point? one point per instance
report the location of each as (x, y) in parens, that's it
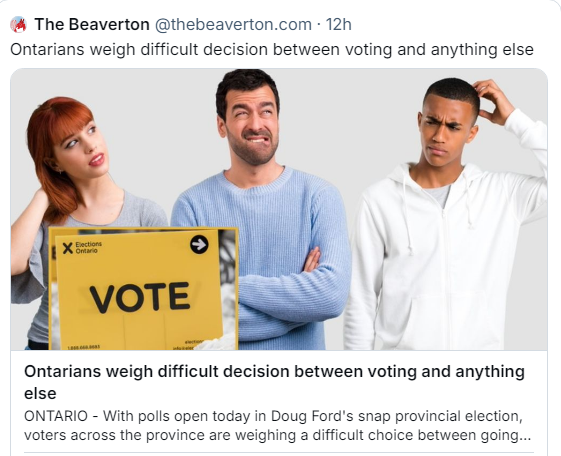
(67, 248)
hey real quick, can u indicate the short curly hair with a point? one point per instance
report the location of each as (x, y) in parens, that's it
(244, 80)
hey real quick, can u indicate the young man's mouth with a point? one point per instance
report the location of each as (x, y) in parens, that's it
(438, 152)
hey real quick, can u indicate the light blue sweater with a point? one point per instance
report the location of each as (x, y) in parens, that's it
(280, 307)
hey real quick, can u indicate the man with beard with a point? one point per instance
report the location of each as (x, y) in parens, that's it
(285, 219)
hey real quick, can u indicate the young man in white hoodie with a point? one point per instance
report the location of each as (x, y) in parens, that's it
(434, 242)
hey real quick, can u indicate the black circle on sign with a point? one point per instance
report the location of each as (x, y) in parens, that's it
(197, 244)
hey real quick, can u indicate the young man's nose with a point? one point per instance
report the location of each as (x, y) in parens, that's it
(439, 135)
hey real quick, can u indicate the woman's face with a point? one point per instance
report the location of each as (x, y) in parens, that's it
(82, 155)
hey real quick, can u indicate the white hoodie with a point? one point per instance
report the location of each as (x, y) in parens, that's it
(427, 278)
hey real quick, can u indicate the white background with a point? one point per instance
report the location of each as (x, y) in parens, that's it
(442, 23)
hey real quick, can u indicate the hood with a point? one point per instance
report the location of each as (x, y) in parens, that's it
(401, 175)
(469, 174)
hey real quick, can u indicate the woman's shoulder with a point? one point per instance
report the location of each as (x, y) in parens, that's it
(139, 211)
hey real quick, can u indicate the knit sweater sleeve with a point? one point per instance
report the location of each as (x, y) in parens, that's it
(182, 213)
(309, 296)
(368, 255)
(528, 194)
(254, 325)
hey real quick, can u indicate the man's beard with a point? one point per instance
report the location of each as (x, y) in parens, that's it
(250, 152)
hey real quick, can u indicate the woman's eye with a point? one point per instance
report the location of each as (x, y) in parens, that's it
(71, 144)
(92, 129)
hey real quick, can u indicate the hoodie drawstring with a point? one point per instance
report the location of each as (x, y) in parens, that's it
(471, 226)
(407, 220)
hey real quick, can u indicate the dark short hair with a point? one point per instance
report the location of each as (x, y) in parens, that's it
(455, 89)
(244, 80)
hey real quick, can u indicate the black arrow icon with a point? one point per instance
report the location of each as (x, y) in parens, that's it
(199, 244)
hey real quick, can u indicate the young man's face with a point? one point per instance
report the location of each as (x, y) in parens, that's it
(445, 126)
(251, 125)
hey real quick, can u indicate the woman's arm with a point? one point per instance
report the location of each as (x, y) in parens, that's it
(24, 231)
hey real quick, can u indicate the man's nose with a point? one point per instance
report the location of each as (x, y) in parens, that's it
(440, 134)
(255, 122)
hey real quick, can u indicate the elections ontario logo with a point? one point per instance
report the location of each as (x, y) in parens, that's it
(18, 24)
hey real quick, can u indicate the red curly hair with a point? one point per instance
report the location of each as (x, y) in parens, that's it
(49, 124)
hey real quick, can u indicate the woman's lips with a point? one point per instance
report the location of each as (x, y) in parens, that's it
(98, 160)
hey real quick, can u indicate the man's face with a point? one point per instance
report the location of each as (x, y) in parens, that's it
(445, 126)
(252, 125)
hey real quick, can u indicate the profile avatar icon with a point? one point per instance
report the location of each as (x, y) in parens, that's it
(18, 24)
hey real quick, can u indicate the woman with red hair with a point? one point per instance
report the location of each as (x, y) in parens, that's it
(72, 164)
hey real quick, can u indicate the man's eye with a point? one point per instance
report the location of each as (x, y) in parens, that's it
(240, 113)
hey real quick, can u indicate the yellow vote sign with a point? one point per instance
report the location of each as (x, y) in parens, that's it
(139, 291)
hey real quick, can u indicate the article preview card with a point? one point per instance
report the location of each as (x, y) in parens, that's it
(138, 290)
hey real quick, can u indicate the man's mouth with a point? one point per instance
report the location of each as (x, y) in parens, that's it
(436, 151)
(257, 136)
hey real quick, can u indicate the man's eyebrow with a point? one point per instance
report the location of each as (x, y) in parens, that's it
(448, 124)
(453, 124)
(263, 104)
(239, 106)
